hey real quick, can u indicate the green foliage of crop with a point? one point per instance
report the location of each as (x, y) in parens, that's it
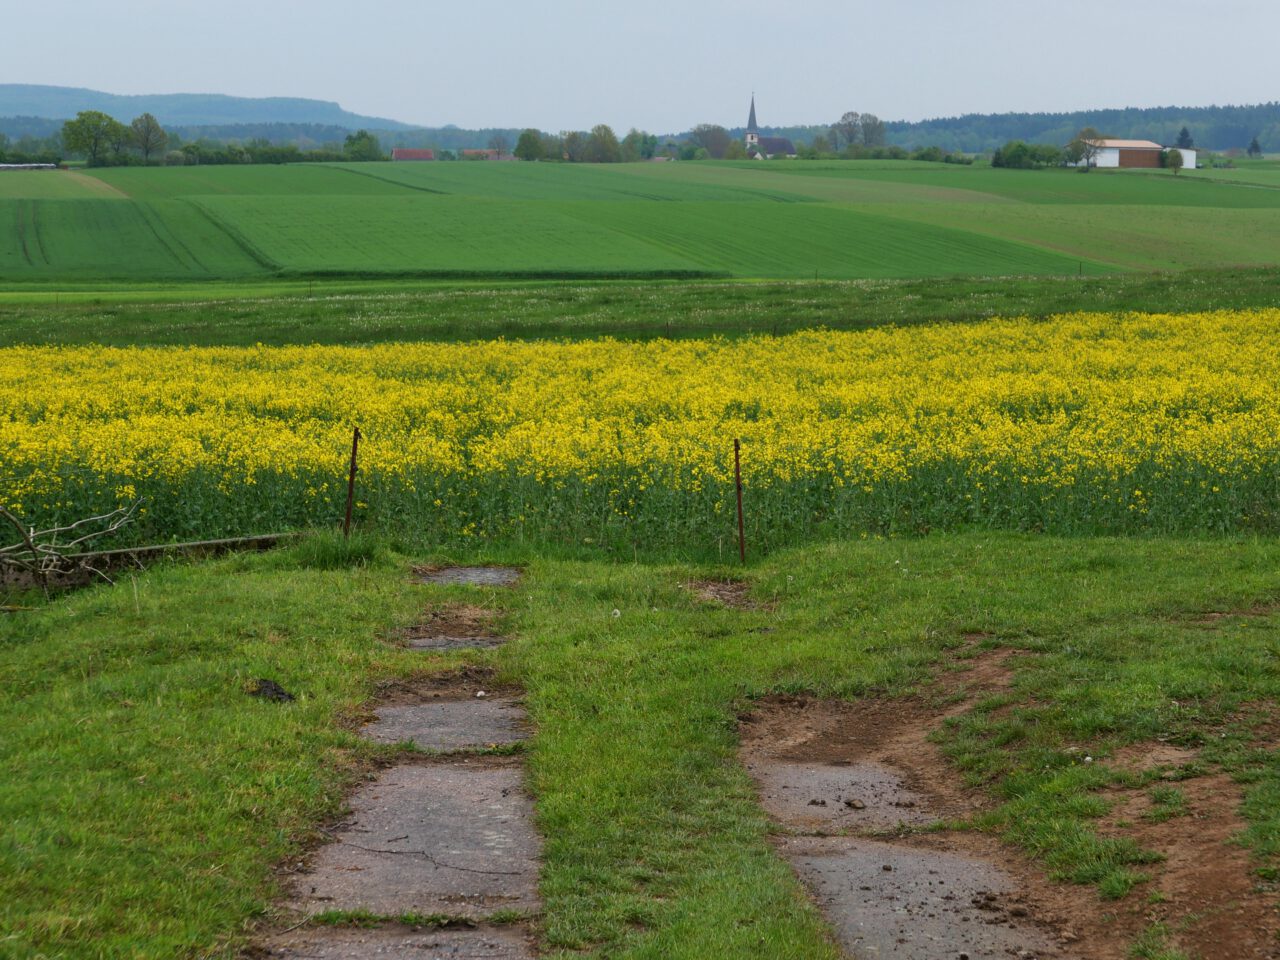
(71, 240)
(496, 220)
(416, 233)
(307, 179)
(808, 240)
(1051, 186)
(556, 181)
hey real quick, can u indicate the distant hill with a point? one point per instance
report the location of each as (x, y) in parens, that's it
(182, 109)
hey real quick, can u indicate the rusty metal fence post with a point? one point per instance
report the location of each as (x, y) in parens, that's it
(737, 479)
(351, 483)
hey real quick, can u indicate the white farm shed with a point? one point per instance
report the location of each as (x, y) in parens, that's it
(1131, 154)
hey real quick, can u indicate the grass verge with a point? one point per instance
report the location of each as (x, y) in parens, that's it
(346, 312)
(153, 797)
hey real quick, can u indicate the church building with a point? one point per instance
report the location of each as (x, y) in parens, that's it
(765, 148)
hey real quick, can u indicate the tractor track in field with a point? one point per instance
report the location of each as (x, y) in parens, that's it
(22, 232)
(148, 217)
(394, 183)
(237, 239)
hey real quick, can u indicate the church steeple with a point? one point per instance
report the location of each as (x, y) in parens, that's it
(753, 132)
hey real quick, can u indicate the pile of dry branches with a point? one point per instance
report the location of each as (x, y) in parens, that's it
(58, 552)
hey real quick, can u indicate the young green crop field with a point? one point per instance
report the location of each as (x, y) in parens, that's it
(777, 220)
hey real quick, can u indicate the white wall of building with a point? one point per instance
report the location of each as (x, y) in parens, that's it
(1188, 157)
(1107, 157)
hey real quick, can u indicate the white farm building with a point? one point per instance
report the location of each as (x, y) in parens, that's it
(1136, 153)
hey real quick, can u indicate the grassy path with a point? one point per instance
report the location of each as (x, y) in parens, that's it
(152, 797)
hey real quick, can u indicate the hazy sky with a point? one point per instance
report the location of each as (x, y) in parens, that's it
(657, 64)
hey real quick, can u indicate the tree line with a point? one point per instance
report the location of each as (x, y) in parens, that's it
(599, 145)
(102, 141)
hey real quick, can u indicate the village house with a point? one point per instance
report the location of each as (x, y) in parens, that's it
(410, 153)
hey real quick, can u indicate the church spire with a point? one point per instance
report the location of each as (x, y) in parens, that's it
(751, 120)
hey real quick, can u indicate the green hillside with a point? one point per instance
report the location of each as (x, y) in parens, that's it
(37, 100)
(844, 220)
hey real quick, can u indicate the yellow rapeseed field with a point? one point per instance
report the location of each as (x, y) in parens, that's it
(1084, 421)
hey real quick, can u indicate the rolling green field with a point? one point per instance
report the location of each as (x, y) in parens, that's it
(846, 220)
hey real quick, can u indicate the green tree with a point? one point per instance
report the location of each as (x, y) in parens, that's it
(529, 146)
(1255, 148)
(552, 147)
(736, 151)
(638, 145)
(848, 128)
(1173, 160)
(575, 145)
(872, 130)
(362, 145)
(148, 136)
(1184, 139)
(711, 137)
(91, 134)
(602, 145)
(1084, 147)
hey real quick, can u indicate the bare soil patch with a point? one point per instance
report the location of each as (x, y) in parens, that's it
(470, 576)
(1210, 898)
(1216, 618)
(728, 593)
(454, 626)
(856, 787)
(1144, 757)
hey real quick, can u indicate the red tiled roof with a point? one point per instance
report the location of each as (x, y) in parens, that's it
(409, 153)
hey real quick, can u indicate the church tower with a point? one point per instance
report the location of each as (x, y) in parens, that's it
(753, 132)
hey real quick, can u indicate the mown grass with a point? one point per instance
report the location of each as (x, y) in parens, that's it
(150, 797)
(349, 312)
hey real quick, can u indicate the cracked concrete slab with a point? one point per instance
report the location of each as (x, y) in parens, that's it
(401, 943)
(443, 725)
(455, 839)
(853, 796)
(891, 900)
